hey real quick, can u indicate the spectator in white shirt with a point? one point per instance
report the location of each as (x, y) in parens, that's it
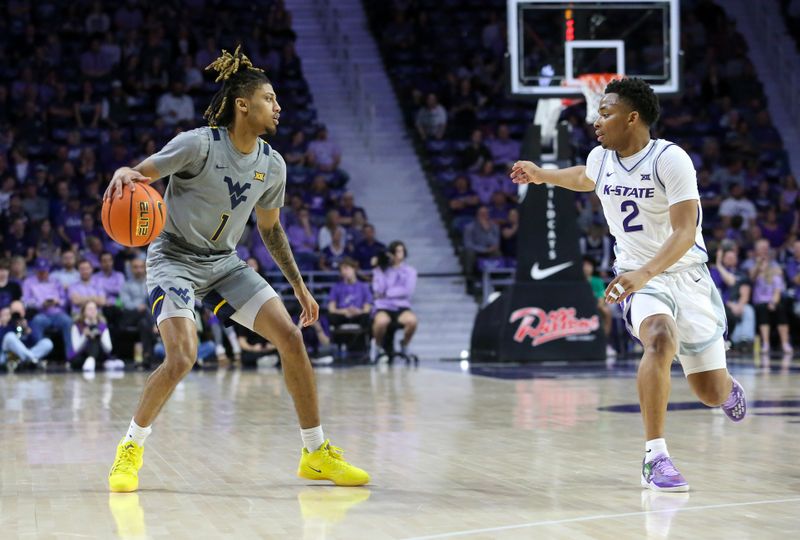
(738, 205)
(175, 106)
(432, 119)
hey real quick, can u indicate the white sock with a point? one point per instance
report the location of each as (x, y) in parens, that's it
(653, 448)
(137, 433)
(313, 438)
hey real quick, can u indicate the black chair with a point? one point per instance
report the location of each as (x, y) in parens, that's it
(351, 341)
(389, 350)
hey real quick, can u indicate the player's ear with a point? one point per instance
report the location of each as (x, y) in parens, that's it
(241, 104)
(633, 116)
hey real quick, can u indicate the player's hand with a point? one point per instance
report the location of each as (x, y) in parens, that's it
(310, 307)
(124, 176)
(625, 285)
(526, 172)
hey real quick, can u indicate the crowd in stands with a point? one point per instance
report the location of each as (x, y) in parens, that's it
(469, 131)
(89, 86)
(791, 11)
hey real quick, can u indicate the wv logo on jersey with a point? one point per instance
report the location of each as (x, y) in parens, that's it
(646, 177)
(183, 294)
(237, 192)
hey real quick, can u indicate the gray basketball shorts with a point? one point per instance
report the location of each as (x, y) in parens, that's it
(177, 275)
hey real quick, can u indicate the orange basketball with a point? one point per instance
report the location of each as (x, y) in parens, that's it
(137, 218)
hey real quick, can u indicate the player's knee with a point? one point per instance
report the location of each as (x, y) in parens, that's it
(712, 392)
(180, 358)
(661, 342)
(291, 342)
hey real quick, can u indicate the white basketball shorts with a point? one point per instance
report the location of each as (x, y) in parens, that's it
(692, 300)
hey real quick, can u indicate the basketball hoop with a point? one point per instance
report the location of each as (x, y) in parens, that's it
(593, 86)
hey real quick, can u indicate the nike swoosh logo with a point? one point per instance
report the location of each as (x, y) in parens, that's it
(313, 469)
(537, 273)
(221, 166)
(609, 174)
(697, 280)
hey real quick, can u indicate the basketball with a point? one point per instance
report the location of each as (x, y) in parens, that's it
(136, 218)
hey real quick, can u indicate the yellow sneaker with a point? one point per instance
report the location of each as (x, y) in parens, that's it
(124, 474)
(327, 463)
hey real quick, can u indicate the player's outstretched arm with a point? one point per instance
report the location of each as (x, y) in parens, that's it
(129, 176)
(572, 178)
(274, 237)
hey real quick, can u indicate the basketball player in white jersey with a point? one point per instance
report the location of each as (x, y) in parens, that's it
(648, 189)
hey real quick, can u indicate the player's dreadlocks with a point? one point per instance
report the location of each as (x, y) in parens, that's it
(239, 79)
(639, 95)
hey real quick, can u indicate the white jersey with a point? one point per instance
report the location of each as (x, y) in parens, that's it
(636, 193)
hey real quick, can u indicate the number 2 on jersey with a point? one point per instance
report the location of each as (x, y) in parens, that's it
(223, 221)
(626, 223)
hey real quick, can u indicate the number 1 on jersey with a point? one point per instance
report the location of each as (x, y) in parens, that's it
(223, 221)
(626, 223)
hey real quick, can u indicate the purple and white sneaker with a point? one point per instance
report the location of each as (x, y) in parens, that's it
(661, 475)
(736, 404)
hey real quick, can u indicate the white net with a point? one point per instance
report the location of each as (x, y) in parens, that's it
(593, 85)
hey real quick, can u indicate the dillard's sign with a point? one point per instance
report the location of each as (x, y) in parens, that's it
(542, 327)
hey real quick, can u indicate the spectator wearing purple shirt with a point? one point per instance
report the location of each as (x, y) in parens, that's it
(793, 274)
(85, 290)
(347, 209)
(333, 254)
(318, 199)
(93, 251)
(88, 228)
(16, 241)
(498, 210)
(9, 290)
(504, 149)
(59, 202)
(735, 290)
(368, 247)
(70, 223)
(350, 300)
(463, 202)
(303, 240)
(109, 282)
(771, 310)
(485, 183)
(393, 284)
(94, 64)
(47, 297)
(772, 229)
(323, 153)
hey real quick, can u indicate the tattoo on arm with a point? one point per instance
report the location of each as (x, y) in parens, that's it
(278, 245)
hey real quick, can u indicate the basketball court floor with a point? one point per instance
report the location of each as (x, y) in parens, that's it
(454, 452)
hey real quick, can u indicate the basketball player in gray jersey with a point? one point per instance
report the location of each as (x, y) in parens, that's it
(217, 176)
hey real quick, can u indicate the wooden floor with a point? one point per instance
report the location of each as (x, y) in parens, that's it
(488, 453)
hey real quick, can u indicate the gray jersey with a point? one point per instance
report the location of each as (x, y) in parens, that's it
(213, 187)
